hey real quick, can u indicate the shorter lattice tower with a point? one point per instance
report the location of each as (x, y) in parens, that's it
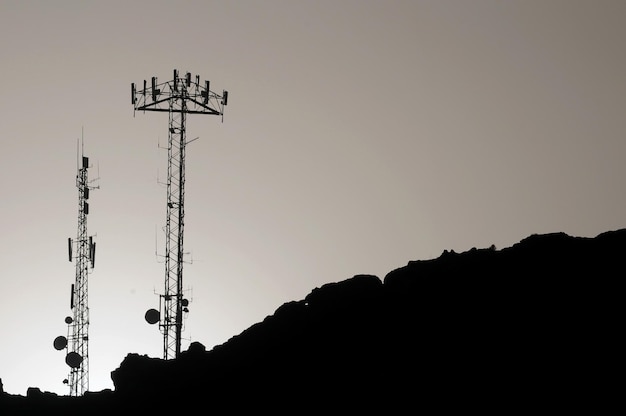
(83, 251)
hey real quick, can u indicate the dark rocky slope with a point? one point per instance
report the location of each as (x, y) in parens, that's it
(532, 327)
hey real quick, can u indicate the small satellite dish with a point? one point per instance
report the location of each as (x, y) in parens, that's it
(60, 342)
(68, 320)
(152, 316)
(73, 359)
(185, 302)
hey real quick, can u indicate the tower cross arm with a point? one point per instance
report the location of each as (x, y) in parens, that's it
(197, 107)
(205, 109)
(153, 106)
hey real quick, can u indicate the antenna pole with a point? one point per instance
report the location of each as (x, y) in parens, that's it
(178, 97)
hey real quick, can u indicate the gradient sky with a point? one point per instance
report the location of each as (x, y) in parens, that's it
(359, 135)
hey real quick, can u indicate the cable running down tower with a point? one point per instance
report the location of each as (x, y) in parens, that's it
(178, 97)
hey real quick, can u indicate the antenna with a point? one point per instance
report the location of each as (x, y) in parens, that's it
(179, 97)
(83, 251)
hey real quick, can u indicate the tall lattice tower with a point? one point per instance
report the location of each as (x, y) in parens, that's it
(178, 97)
(83, 251)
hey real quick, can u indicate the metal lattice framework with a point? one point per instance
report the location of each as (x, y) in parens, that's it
(77, 342)
(180, 96)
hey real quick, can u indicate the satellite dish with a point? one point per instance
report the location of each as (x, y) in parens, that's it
(152, 316)
(185, 302)
(60, 343)
(73, 359)
(68, 320)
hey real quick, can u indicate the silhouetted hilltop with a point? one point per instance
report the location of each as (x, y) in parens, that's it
(529, 327)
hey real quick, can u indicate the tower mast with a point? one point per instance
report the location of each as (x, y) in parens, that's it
(83, 251)
(178, 97)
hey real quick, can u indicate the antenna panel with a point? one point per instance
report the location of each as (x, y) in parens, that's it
(205, 94)
(155, 91)
(92, 254)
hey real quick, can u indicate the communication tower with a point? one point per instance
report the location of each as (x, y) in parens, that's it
(83, 251)
(178, 97)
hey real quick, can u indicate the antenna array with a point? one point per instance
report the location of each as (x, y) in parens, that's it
(83, 251)
(178, 97)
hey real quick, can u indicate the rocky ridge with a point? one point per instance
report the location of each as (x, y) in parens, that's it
(528, 327)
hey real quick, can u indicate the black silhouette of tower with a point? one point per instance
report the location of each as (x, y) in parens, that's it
(83, 251)
(178, 97)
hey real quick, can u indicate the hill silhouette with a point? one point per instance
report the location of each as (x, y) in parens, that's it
(531, 327)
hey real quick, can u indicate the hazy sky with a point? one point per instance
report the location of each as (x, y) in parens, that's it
(359, 135)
